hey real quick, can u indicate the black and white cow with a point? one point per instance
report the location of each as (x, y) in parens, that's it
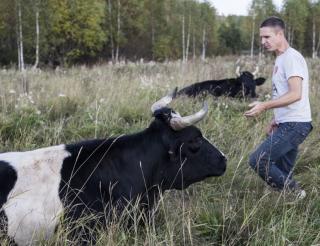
(37, 186)
(243, 86)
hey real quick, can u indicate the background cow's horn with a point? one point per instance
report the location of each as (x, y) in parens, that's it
(255, 73)
(178, 123)
(163, 102)
(238, 70)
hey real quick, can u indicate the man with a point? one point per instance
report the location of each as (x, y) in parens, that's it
(274, 159)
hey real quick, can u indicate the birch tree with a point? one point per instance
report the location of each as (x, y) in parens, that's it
(21, 65)
(204, 44)
(315, 13)
(258, 11)
(110, 20)
(183, 39)
(20, 37)
(295, 14)
(188, 39)
(253, 27)
(208, 31)
(118, 30)
(37, 3)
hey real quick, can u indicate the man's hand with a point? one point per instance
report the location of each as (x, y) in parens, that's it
(271, 127)
(256, 109)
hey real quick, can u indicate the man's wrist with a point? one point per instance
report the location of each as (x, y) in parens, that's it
(266, 106)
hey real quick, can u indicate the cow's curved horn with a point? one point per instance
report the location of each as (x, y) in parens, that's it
(238, 71)
(256, 71)
(163, 102)
(178, 123)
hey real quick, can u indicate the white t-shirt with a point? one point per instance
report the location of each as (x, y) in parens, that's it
(288, 64)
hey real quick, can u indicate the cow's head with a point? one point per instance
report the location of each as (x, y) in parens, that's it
(191, 157)
(248, 82)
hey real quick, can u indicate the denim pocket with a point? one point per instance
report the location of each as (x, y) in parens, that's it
(299, 131)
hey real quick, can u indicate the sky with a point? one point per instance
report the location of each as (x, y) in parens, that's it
(236, 7)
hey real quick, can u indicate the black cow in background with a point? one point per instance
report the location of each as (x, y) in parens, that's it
(101, 176)
(243, 86)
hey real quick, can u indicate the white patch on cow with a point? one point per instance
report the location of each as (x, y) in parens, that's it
(215, 147)
(33, 205)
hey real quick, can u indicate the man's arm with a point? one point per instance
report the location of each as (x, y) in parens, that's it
(294, 94)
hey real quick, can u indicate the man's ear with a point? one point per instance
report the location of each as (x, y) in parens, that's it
(260, 81)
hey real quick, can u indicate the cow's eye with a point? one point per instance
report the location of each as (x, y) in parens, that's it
(195, 144)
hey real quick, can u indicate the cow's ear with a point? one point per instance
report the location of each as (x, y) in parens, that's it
(260, 81)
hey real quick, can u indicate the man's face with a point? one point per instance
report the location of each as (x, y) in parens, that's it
(271, 37)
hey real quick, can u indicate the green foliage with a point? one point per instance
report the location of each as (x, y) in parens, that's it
(75, 29)
(161, 49)
(295, 14)
(259, 10)
(7, 32)
(230, 36)
(90, 31)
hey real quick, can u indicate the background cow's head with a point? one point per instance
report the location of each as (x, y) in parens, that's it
(248, 82)
(191, 157)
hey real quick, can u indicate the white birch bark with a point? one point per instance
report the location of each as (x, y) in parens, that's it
(252, 35)
(118, 31)
(153, 32)
(203, 56)
(318, 45)
(188, 40)
(313, 39)
(37, 36)
(193, 46)
(21, 58)
(183, 40)
(111, 30)
(24, 81)
(18, 46)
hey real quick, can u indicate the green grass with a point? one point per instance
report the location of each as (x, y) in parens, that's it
(79, 103)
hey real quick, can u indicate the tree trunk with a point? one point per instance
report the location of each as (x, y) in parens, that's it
(152, 38)
(118, 31)
(37, 37)
(314, 52)
(288, 34)
(20, 37)
(111, 30)
(252, 36)
(193, 46)
(318, 45)
(183, 41)
(188, 40)
(24, 82)
(18, 46)
(152, 31)
(203, 56)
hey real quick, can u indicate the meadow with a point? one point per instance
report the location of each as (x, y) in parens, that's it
(68, 105)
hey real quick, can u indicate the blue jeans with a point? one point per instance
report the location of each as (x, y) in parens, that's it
(274, 159)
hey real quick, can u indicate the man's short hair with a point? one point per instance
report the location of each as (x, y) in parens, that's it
(273, 21)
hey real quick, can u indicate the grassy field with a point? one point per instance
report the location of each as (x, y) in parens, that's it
(67, 105)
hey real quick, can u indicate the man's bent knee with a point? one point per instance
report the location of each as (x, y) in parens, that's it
(253, 160)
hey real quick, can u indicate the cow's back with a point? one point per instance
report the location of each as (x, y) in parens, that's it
(33, 203)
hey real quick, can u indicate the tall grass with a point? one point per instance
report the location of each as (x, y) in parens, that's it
(68, 105)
